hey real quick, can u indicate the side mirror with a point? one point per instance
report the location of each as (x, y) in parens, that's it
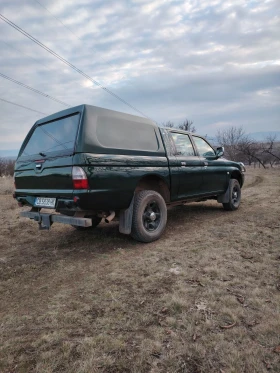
(220, 151)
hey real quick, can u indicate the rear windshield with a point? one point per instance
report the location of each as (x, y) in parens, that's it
(58, 135)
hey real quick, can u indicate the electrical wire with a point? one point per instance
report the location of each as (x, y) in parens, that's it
(18, 50)
(24, 107)
(41, 127)
(33, 89)
(81, 40)
(53, 138)
(77, 37)
(69, 64)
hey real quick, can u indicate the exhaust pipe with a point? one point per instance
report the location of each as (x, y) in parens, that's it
(110, 217)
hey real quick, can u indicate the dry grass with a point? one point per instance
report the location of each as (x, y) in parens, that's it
(6, 185)
(100, 302)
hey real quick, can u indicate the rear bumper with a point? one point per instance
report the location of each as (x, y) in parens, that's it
(93, 200)
(61, 203)
(45, 220)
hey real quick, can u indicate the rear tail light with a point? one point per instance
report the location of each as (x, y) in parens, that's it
(79, 178)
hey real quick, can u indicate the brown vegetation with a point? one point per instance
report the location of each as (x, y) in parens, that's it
(241, 147)
(6, 166)
(204, 298)
(186, 125)
(6, 185)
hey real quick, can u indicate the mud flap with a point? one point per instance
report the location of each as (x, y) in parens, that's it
(126, 219)
(224, 198)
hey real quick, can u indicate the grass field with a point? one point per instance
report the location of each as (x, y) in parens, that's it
(204, 298)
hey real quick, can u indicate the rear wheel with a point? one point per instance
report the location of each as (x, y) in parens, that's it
(234, 196)
(149, 216)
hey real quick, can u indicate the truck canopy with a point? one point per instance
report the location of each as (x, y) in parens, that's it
(90, 129)
(110, 132)
(95, 139)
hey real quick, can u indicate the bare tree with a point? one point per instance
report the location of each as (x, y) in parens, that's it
(269, 147)
(168, 124)
(230, 138)
(187, 125)
(2, 166)
(268, 158)
(6, 166)
(251, 149)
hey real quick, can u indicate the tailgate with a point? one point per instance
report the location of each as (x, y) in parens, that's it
(44, 177)
(44, 165)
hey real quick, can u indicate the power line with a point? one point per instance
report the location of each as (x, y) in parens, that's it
(33, 89)
(56, 18)
(52, 137)
(69, 63)
(40, 112)
(77, 37)
(24, 107)
(16, 49)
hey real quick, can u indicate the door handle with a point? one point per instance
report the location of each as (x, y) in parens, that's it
(183, 164)
(205, 164)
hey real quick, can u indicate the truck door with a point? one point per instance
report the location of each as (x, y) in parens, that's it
(190, 166)
(214, 170)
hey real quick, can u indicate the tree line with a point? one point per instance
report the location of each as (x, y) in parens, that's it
(239, 146)
(6, 166)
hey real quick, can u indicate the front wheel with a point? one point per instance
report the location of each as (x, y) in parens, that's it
(149, 216)
(234, 196)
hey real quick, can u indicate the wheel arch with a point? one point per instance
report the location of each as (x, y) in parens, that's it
(237, 175)
(156, 183)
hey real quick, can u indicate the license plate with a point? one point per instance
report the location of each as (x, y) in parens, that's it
(45, 202)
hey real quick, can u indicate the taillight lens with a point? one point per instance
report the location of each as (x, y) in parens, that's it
(79, 178)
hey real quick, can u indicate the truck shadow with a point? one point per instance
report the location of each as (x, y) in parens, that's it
(63, 242)
(106, 237)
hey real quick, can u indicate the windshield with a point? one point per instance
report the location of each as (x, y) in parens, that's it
(54, 136)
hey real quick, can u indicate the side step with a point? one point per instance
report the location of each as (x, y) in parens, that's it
(46, 220)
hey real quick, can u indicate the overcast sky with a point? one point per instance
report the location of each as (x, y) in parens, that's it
(216, 62)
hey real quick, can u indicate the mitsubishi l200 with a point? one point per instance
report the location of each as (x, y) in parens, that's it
(85, 164)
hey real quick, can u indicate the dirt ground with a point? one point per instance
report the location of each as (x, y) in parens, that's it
(204, 298)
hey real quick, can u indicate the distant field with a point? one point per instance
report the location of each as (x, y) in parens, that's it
(204, 298)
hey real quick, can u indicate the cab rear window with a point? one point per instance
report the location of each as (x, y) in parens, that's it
(58, 135)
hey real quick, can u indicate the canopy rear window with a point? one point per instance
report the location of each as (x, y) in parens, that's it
(58, 135)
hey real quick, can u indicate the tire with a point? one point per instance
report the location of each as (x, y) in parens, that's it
(95, 221)
(234, 196)
(149, 216)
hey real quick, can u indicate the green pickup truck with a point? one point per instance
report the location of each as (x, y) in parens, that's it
(85, 164)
